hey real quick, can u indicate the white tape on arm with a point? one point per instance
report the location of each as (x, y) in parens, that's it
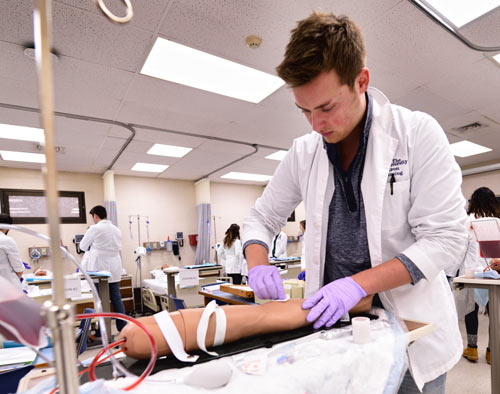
(173, 337)
(220, 329)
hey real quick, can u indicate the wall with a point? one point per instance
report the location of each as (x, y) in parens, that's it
(90, 184)
(170, 206)
(488, 179)
(231, 203)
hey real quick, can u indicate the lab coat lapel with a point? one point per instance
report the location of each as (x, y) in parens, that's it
(379, 154)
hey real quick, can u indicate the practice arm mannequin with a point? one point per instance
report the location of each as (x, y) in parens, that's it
(241, 321)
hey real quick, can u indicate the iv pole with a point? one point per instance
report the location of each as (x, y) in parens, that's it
(139, 261)
(59, 314)
(139, 257)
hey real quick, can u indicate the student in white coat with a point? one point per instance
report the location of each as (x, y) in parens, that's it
(483, 206)
(231, 255)
(278, 246)
(103, 244)
(11, 265)
(381, 188)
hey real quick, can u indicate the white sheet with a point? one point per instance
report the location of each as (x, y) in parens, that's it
(158, 287)
(321, 366)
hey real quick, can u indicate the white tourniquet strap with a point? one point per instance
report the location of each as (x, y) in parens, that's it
(173, 337)
(220, 326)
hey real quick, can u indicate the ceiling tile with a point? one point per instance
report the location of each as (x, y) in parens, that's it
(147, 14)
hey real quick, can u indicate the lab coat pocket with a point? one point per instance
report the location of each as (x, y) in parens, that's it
(396, 204)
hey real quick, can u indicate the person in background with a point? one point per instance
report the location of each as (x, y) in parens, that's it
(382, 195)
(231, 255)
(11, 264)
(278, 246)
(483, 205)
(103, 244)
(302, 226)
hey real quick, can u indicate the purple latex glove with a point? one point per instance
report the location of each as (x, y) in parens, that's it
(333, 300)
(302, 276)
(266, 283)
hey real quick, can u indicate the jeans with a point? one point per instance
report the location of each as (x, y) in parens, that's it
(236, 278)
(436, 386)
(116, 300)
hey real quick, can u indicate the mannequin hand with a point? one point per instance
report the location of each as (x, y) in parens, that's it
(302, 276)
(266, 282)
(333, 300)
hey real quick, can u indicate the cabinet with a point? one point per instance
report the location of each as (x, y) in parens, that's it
(126, 292)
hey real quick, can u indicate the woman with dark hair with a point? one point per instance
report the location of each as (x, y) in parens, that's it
(231, 254)
(483, 206)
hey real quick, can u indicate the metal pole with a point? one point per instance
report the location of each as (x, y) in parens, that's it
(140, 259)
(60, 316)
(494, 312)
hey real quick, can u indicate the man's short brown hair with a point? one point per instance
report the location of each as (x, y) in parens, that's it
(323, 42)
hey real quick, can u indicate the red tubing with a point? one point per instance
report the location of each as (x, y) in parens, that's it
(154, 350)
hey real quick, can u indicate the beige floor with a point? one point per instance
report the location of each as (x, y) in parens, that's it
(467, 377)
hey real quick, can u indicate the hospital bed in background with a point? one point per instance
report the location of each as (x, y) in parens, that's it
(167, 283)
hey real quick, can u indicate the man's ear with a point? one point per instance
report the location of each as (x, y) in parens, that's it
(363, 80)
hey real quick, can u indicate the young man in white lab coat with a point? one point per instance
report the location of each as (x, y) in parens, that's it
(382, 196)
(103, 243)
(11, 265)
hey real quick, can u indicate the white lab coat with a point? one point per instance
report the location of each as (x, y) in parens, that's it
(281, 242)
(231, 258)
(303, 252)
(105, 242)
(10, 260)
(424, 218)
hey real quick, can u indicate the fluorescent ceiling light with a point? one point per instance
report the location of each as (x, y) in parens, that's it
(148, 167)
(461, 12)
(21, 133)
(243, 176)
(22, 156)
(187, 66)
(279, 155)
(467, 148)
(497, 58)
(168, 150)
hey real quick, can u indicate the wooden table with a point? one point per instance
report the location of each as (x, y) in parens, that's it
(493, 286)
(224, 297)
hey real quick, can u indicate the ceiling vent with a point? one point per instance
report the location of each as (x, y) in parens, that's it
(470, 127)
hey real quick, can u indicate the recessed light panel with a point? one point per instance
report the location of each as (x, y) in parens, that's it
(168, 150)
(187, 66)
(467, 148)
(497, 58)
(279, 155)
(461, 12)
(21, 133)
(148, 167)
(22, 156)
(244, 176)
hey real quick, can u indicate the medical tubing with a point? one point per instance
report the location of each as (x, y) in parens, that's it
(97, 300)
(95, 361)
(117, 19)
(154, 350)
(88, 368)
